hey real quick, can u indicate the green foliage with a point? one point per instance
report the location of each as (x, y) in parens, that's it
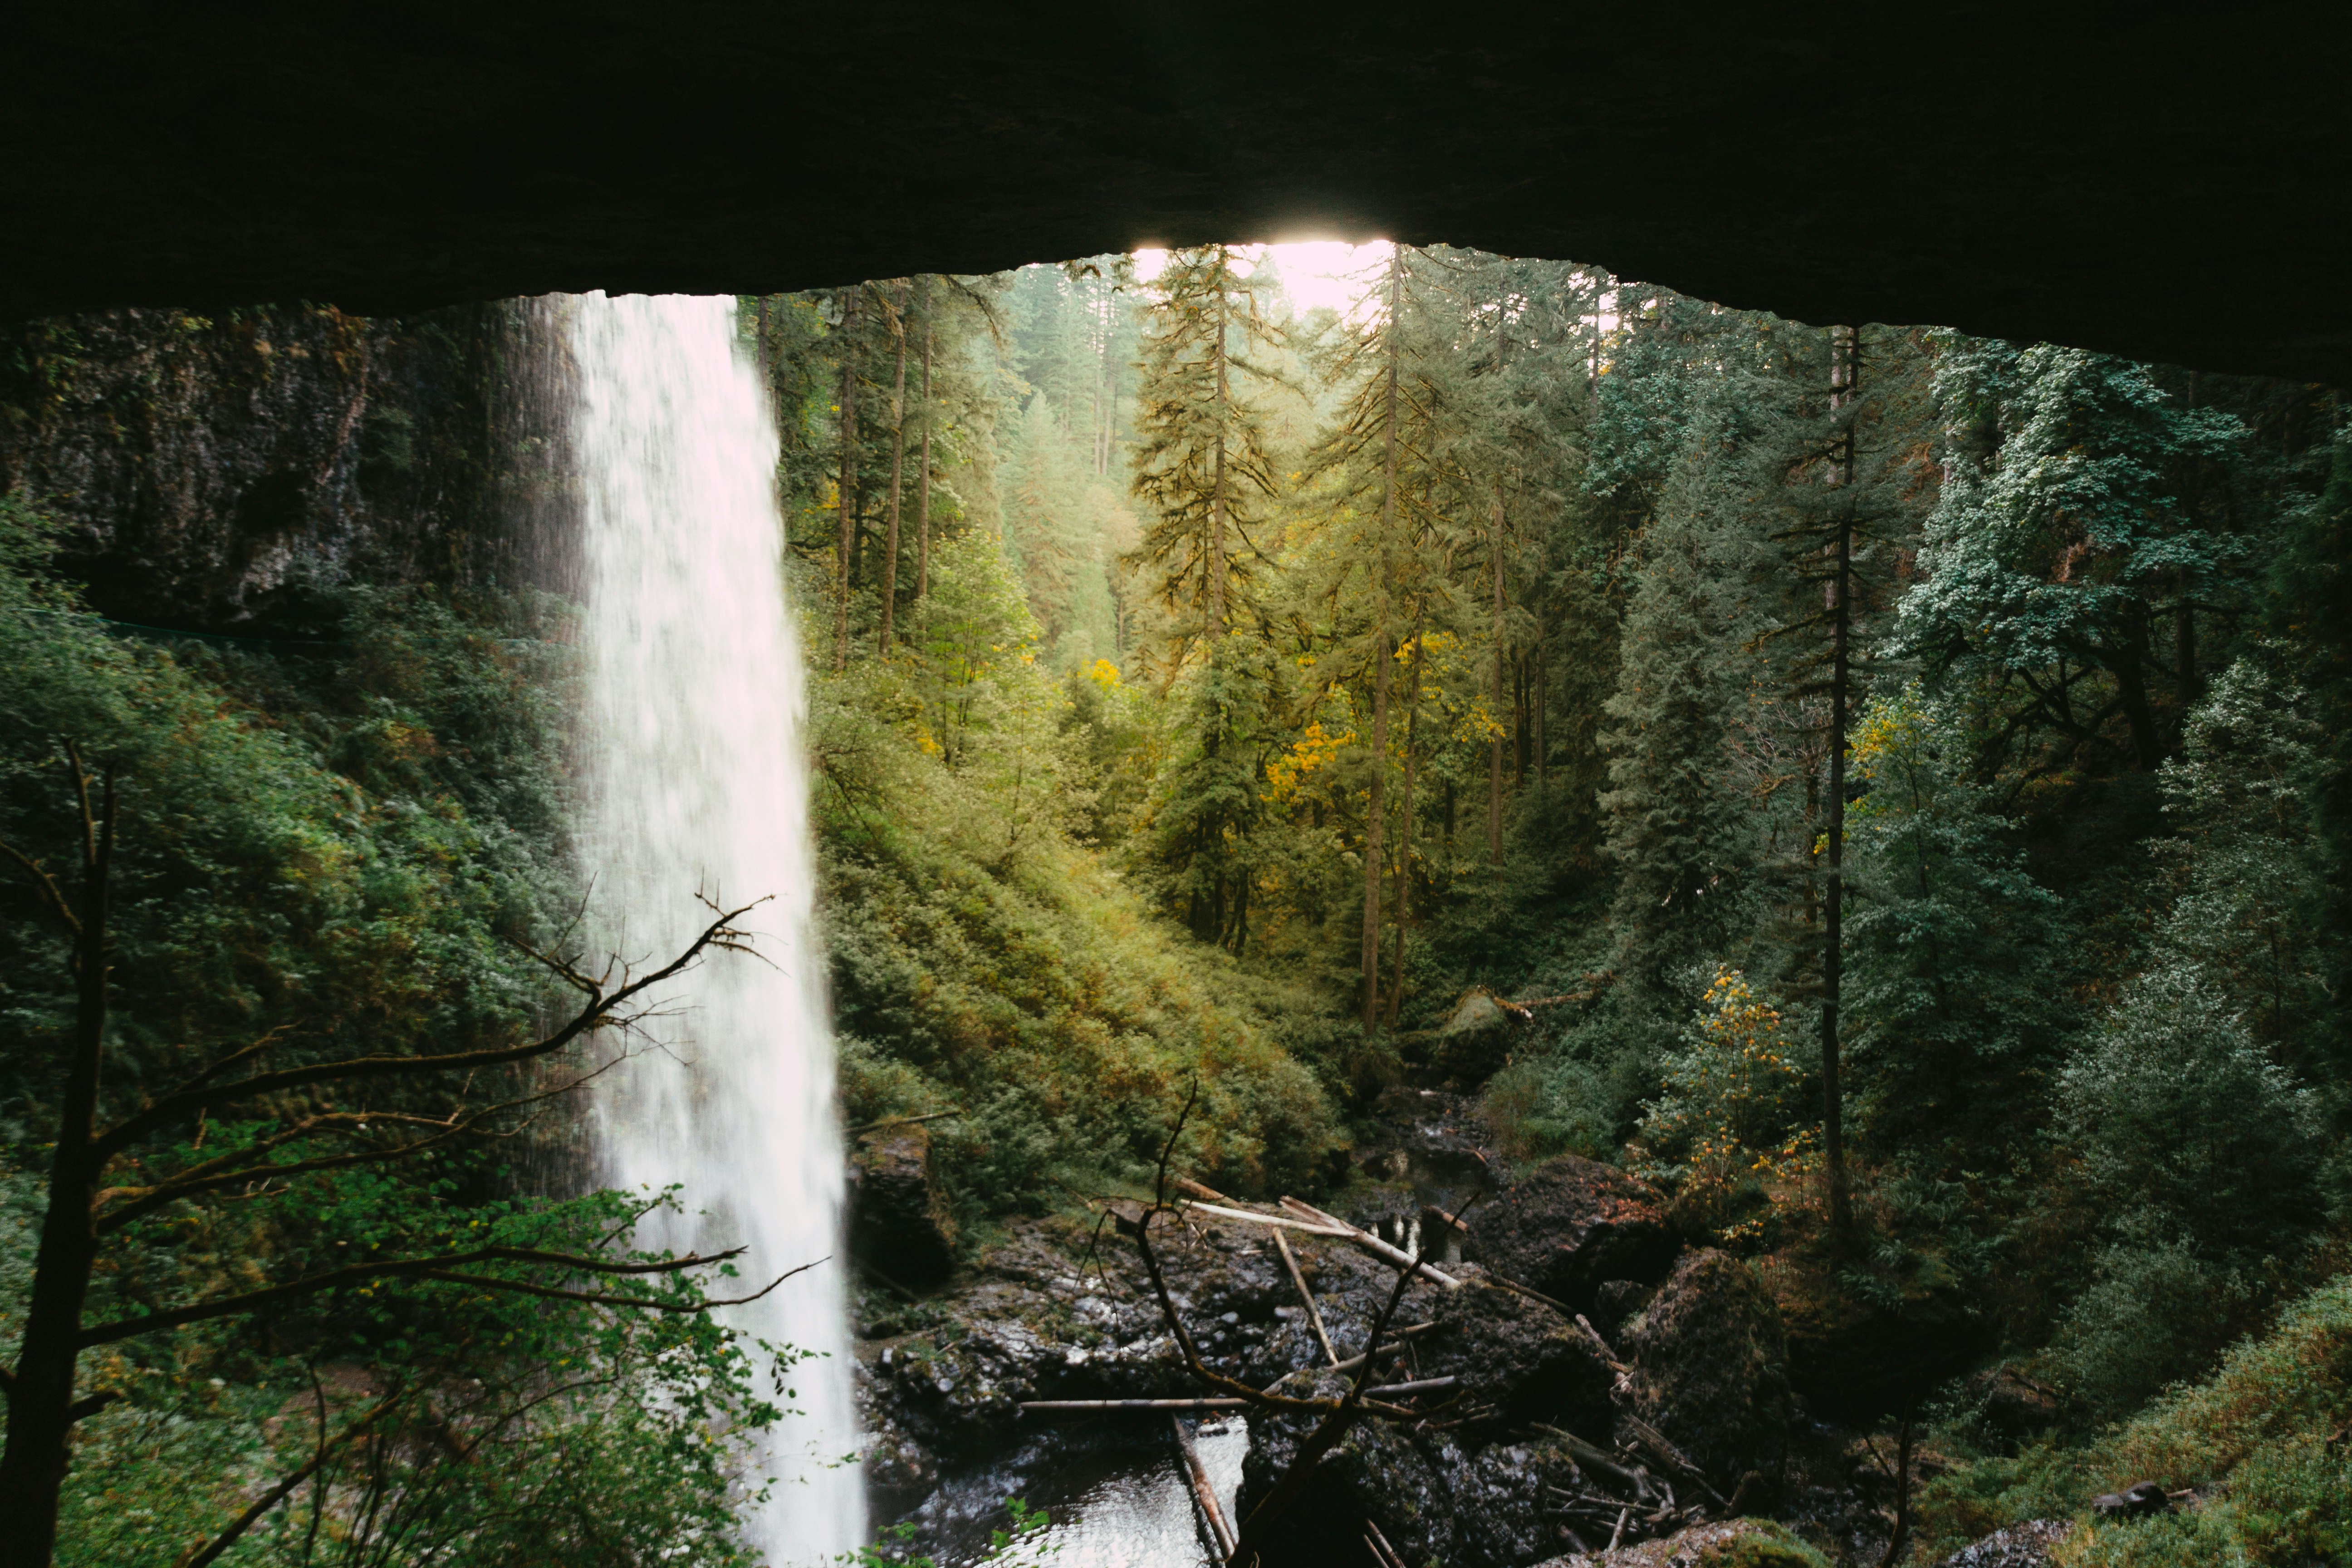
(2261, 1438)
(345, 851)
(1728, 1130)
(1952, 992)
(984, 962)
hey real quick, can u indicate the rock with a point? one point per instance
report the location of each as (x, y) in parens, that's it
(2023, 1545)
(1571, 1225)
(1617, 1300)
(898, 1221)
(1376, 1472)
(1520, 1357)
(1710, 1365)
(1735, 1544)
(1503, 1514)
(2138, 1500)
(2015, 1405)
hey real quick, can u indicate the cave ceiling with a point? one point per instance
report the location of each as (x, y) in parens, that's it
(2164, 183)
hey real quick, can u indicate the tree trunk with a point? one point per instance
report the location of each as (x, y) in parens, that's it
(2130, 665)
(41, 1393)
(1404, 816)
(1376, 810)
(898, 462)
(1217, 490)
(1842, 369)
(1543, 742)
(923, 464)
(1494, 742)
(846, 494)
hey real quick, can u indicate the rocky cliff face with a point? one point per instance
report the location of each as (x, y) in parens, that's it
(215, 473)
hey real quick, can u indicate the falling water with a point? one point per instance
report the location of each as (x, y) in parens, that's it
(697, 773)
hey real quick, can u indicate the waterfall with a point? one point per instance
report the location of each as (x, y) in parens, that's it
(696, 772)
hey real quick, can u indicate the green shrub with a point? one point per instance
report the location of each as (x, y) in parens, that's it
(2262, 1436)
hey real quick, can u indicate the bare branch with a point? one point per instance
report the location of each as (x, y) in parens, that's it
(199, 1557)
(48, 884)
(597, 1012)
(439, 1269)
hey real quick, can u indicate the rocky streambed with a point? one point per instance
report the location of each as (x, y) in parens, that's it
(1608, 1381)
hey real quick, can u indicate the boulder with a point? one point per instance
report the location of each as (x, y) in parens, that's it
(1616, 1302)
(1377, 1472)
(899, 1226)
(1710, 1367)
(2138, 1500)
(2026, 1545)
(1571, 1225)
(1521, 1358)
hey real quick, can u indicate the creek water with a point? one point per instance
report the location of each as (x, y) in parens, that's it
(694, 764)
(1116, 1499)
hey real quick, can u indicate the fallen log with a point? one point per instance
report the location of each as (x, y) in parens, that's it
(1425, 1385)
(1389, 1347)
(1204, 1492)
(1365, 1241)
(1283, 1222)
(1053, 1406)
(1314, 1313)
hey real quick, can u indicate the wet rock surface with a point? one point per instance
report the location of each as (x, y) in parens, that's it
(1571, 1225)
(1518, 1360)
(899, 1226)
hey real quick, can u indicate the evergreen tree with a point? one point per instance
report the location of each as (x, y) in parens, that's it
(1203, 467)
(1681, 828)
(1953, 997)
(2064, 533)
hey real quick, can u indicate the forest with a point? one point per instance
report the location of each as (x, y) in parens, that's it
(1887, 792)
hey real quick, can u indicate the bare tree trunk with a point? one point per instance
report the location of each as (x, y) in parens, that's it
(1217, 493)
(1494, 742)
(41, 1390)
(846, 493)
(923, 464)
(1404, 814)
(1376, 810)
(1543, 742)
(898, 462)
(1843, 372)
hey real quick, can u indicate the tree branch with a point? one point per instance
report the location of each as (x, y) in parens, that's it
(199, 1557)
(597, 1012)
(438, 1267)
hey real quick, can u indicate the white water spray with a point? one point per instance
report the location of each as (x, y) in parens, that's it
(696, 773)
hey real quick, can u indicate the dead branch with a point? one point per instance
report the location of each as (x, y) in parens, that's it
(444, 1270)
(598, 1012)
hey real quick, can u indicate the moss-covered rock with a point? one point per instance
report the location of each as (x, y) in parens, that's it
(1710, 1365)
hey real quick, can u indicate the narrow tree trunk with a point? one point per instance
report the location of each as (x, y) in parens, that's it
(1840, 585)
(1494, 742)
(1404, 816)
(846, 494)
(1376, 810)
(898, 462)
(1518, 719)
(923, 465)
(41, 1396)
(2130, 665)
(1543, 742)
(1217, 490)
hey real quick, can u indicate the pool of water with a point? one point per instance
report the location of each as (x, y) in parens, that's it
(1116, 1498)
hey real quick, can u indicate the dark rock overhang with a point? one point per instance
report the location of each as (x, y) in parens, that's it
(2168, 185)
